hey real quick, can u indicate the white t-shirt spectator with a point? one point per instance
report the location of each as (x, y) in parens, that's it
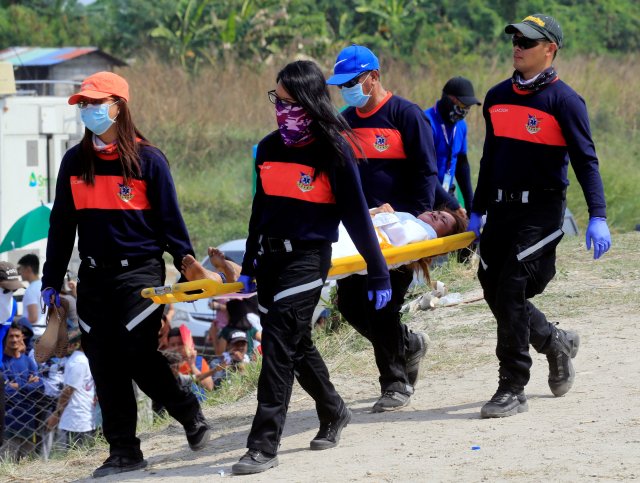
(32, 296)
(78, 416)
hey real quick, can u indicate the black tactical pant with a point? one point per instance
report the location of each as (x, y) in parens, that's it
(517, 261)
(391, 339)
(120, 339)
(289, 285)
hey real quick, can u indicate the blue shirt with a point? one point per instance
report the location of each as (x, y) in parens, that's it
(449, 139)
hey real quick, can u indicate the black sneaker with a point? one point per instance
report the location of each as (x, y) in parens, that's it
(505, 403)
(329, 434)
(414, 359)
(254, 461)
(197, 432)
(391, 401)
(119, 464)
(563, 348)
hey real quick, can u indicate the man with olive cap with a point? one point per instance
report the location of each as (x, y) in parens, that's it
(400, 169)
(450, 138)
(535, 125)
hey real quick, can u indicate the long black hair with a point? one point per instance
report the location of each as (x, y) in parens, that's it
(306, 84)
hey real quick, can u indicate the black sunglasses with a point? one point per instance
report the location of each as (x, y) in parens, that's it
(524, 43)
(353, 81)
(273, 97)
(8, 290)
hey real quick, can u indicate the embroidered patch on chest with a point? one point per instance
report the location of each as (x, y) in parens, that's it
(305, 182)
(533, 124)
(381, 144)
(126, 192)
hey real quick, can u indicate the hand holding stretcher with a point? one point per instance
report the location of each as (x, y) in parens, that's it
(340, 267)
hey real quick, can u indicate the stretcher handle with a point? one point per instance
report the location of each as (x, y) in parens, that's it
(188, 291)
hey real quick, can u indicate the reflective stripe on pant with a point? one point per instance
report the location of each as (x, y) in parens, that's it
(108, 301)
(518, 252)
(391, 339)
(289, 286)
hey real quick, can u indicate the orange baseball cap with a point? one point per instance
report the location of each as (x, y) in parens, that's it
(101, 85)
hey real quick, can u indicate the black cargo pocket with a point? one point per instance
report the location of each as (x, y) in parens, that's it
(539, 261)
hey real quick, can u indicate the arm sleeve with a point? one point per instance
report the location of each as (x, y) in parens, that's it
(357, 220)
(164, 201)
(463, 178)
(417, 138)
(574, 121)
(62, 228)
(483, 188)
(253, 242)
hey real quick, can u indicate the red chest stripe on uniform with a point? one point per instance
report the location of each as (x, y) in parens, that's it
(379, 143)
(293, 180)
(110, 193)
(526, 124)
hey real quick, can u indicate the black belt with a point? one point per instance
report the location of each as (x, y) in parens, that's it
(285, 245)
(529, 196)
(128, 262)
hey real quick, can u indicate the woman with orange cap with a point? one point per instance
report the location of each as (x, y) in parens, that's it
(116, 190)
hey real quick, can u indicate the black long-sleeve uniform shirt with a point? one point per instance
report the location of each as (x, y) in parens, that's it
(114, 221)
(293, 202)
(530, 139)
(401, 167)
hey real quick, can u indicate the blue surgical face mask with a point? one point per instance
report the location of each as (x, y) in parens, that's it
(354, 96)
(96, 117)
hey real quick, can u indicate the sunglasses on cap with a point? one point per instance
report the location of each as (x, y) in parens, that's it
(524, 43)
(353, 81)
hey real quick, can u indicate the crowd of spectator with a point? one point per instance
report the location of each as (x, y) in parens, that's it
(48, 408)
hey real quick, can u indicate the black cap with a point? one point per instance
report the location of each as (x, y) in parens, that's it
(536, 27)
(462, 89)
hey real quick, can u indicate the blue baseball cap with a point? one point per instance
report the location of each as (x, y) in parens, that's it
(351, 62)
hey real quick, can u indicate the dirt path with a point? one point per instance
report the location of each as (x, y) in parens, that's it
(593, 433)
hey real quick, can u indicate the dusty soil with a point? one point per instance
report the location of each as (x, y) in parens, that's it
(592, 433)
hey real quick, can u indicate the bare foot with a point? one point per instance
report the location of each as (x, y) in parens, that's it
(193, 270)
(230, 269)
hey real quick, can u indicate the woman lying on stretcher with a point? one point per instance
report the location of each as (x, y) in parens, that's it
(394, 228)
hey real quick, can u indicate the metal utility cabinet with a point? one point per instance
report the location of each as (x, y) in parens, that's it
(35, 132)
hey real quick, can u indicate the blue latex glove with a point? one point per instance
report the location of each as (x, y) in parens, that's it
(248, 282)
(382, 297)
(598, 233)
(50, 297)
(475, 223)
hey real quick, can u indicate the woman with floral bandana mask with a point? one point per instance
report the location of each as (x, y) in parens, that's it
(307, 183)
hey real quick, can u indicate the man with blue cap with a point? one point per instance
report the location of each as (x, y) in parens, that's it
(535, 125)
(400, 169)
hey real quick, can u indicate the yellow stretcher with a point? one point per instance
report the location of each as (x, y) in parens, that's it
(188, 291)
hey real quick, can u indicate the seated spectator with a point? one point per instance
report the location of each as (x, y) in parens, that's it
(240, 318)
(190, 364)
(75, 412)
(234, 359)
(219, 322)
(23, 389)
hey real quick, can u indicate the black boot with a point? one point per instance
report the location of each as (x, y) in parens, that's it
(197, 432)
(329, 434)
(254, 461)
(116, 464)
(505, 402)
(563, 347)
(414, 359)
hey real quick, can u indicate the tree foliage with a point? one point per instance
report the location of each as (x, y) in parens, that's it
(197, 32)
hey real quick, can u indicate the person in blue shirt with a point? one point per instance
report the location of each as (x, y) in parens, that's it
(450, 139)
